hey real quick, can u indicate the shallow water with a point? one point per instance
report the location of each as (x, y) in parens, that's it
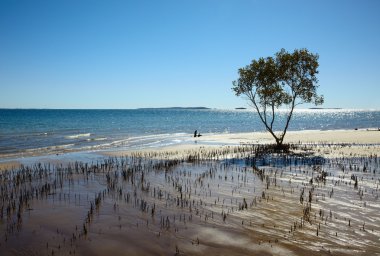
(134, 206)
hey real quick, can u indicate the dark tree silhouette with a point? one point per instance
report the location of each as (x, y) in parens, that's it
(287, 79)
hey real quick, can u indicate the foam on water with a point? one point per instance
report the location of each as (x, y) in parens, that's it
(76, 136)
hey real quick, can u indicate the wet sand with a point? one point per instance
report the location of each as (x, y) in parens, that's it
(200, 199)
(8, 165)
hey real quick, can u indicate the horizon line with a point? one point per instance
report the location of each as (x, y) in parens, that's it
(195, 108)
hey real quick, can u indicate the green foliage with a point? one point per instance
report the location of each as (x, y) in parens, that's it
(287, 79)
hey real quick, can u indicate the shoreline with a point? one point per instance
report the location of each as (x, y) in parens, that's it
(328, 143)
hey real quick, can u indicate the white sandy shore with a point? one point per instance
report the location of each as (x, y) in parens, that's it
(309, 136)
(330, 143)
(355, 143)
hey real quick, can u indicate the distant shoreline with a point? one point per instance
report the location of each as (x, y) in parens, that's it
(200, 108)
(326, 108)
(185, 108)
(195, 108)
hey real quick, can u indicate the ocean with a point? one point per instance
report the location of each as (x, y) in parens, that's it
(39, 131)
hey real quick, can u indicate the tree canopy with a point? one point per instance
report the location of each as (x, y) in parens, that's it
(287, 79)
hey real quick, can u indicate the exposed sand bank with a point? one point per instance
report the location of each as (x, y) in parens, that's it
(330, 143)
(308, 136)
(347, 142)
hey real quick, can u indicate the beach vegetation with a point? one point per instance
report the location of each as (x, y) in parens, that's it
(283, 81)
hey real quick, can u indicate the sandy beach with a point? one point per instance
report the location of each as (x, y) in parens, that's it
(217, 195)
(331, 143)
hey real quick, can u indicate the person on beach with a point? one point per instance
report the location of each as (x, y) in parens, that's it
(195, 133)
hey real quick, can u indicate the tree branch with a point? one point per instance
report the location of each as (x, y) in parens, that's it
(251, 96)
(289, 117)
(271, 123)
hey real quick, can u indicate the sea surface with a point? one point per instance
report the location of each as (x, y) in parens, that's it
(39, 131)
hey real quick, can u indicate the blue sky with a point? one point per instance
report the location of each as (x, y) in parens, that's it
(131, 54)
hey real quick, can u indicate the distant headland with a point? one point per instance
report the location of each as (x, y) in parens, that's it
(324, 108)
(178, 108)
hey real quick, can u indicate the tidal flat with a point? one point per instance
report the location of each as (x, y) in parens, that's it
(236, 200)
